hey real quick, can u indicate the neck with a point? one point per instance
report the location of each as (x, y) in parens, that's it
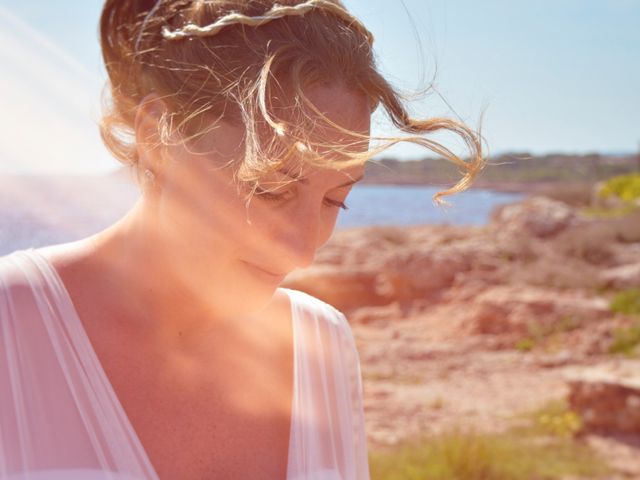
(147, 292)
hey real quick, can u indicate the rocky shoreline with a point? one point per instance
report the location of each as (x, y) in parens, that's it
(473, 325)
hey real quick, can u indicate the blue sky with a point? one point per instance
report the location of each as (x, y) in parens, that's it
(550, 76)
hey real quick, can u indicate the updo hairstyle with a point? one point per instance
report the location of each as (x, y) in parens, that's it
(247, 61)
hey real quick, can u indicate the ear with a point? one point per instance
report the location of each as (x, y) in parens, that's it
(149, 121)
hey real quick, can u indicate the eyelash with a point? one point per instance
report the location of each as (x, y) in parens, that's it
(273, 196)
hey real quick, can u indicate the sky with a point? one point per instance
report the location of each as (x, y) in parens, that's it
(542, 77)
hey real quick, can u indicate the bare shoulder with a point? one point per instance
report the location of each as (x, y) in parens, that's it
(280, 305)
(314, 307)
(66, 255)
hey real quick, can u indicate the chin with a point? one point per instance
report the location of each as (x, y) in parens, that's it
(257, 275)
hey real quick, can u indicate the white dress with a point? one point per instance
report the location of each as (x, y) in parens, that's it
(60, 418)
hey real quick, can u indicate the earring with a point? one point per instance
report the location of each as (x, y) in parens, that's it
(149, 178)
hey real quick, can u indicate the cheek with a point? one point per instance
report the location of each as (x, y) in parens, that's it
(327, 226)
(288, 226)
(263, 225)
(201, 210)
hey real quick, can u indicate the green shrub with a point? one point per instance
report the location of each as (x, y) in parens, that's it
(525, 344)
(555, 418)
(626, 340)
(626, 187)
(600, 212)
(539, 334)
(627, 302)
(559, 420)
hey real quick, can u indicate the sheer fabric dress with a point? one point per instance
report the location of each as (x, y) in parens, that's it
(60, 418)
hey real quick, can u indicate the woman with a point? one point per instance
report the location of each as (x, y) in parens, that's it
(162, 347)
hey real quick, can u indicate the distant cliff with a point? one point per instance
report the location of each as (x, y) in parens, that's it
(505, 172)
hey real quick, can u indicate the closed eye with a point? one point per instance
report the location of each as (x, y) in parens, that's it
(270, 196)
(335, 203)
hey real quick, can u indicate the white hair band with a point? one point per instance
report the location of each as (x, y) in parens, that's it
(277, 11)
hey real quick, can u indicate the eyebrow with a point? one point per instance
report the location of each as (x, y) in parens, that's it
(306, 181)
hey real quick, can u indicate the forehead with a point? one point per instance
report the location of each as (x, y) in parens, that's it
(330, 176)
(345, 110)
(324, 112)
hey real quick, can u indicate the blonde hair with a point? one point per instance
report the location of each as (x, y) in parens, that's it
(231, 59)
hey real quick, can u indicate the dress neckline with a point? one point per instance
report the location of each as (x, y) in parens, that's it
(44, 263)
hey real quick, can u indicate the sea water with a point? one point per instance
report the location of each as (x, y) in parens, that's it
(41, 210)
